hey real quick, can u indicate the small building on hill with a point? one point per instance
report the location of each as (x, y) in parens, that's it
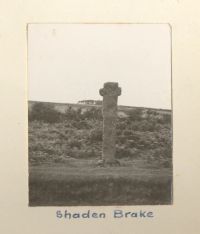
(90, 102)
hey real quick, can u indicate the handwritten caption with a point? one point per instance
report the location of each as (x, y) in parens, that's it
(116, 214)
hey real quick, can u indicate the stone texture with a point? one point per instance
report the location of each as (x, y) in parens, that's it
(110, 93)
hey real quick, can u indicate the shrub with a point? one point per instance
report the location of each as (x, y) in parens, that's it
(151, 112)
(168, 152)
(44, 112)
(121, 125)
(119, 132)
(75, 143)
(93, 113)
(167, 164)
(166, 118)
(72, 114)
(148, 126)
(81, 124)
(134, 137)
(131, 143)
(96, 135)
(127, 132)
(121, 139)
(122, 152)
(135, 114)
(60, 159)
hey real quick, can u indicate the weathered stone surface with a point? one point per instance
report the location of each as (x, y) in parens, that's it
(110, 93)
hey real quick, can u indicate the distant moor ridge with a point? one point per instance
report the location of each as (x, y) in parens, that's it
(85, 105)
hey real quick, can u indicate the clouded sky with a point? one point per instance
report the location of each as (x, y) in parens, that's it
(70, 62)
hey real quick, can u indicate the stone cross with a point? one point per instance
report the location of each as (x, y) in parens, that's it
(110, 93)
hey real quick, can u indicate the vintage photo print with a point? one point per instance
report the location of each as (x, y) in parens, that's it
(100, 114)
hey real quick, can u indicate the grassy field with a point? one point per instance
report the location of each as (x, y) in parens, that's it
(81, 182)
(64, 149)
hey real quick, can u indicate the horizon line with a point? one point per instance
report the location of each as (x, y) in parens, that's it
(69, 103)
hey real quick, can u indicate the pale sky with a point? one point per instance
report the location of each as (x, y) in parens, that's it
(71, 62)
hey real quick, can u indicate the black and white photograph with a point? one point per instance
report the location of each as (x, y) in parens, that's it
(100, 114)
